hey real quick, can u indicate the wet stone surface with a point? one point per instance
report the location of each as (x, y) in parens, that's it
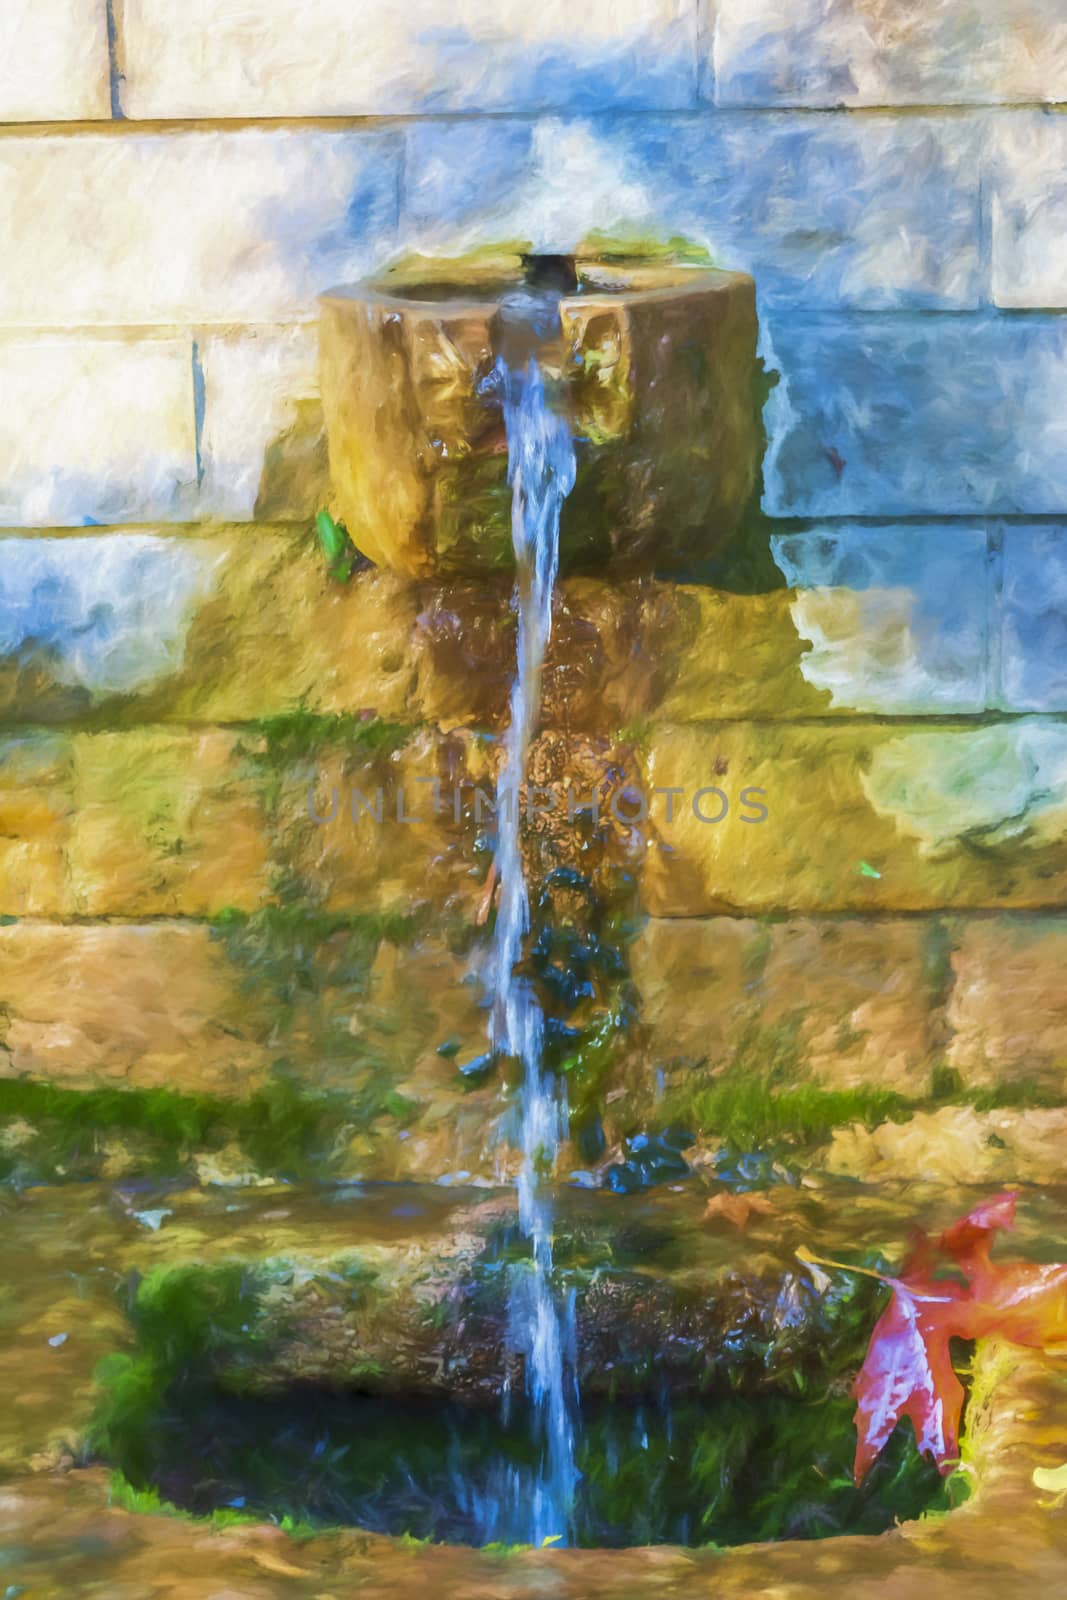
(87, 1264)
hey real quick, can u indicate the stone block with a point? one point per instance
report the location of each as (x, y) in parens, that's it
(847, 1000)
(1033, 619)
(191, 225)
(137, 1007)
(164, 825)
(53, 61)
(95, 430)
(859, 817)
(883, 53)
(327, 58)
(909, 416)
(1028, 186)
(897, 618)
(1008, 1003)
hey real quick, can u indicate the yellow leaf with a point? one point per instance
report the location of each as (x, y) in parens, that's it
(1054, 1479)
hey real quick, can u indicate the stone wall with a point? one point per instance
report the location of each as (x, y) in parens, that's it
(179, 182)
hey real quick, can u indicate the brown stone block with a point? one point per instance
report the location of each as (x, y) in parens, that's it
(165, 823)
(886, 817)
(155, 1006)
(845, 1001)
(36, 806)
(1008, 1004)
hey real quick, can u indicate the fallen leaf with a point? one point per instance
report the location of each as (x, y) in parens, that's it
(737, 1208)
(907, 1371)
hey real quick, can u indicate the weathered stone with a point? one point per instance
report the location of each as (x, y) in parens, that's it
(897, 618)
(163, 825)
(93, 430)
(873, 213)
(956, 1144)
(53, 61)
(858, 817)
(138, 1007)
(878, 52)
(1008, 1003)
(915, 416)
(1033, 617)
(36, 806)
(852, 998)
(323, 59)
(263, 447)
(222, 628)
(859, 994)
(418, 457)
(191, 226)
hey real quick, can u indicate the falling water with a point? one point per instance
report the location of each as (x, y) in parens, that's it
(541, 467)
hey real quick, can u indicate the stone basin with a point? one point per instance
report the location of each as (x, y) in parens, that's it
(653, 361)
(78, 1258)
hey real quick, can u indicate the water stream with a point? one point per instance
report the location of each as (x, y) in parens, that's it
(541, 468)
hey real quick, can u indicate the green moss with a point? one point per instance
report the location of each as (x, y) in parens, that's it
(163, 1114)
(283, 1129)
(644, 248)
(302, 735)
(751, 1114)
(947, 1087)
(764, 1096)
(191, 1324)
(147, 1502)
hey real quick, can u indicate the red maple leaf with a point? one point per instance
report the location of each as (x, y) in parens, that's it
(908, 1369)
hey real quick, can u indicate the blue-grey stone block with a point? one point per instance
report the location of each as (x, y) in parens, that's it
(896, 617)
(1034, 620)
(916, 416)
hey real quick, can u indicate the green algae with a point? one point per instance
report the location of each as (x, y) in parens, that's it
(283, 1129)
